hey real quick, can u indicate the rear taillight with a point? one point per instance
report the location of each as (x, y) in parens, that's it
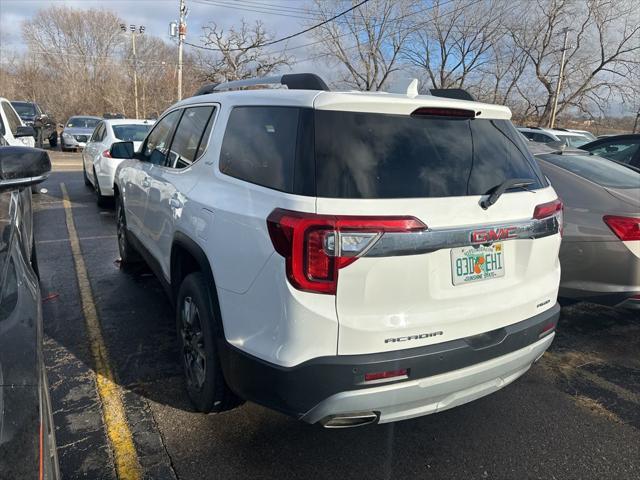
(550, 209)
(625, 228)
(106, 154)
(316, 247)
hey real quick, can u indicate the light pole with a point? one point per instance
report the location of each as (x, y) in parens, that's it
(133, 29)
(552, 121)
(182, 31)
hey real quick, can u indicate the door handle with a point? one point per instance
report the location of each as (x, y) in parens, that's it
(146, 183)
(175, 202)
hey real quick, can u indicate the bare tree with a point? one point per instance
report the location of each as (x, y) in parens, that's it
(240, 53)
(605, 43)
(454, 40)
(76, 51)
(367, 42)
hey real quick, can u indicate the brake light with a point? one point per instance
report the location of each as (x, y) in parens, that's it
(549, 209)
(106, 154)
(443, 112)
(545, 210)
(316, 247)
(625, 228)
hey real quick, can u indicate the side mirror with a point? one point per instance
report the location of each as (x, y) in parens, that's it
(122, 150)
(25, 131)
(22, 167)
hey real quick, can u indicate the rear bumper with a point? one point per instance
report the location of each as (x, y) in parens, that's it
(440, 376)
(607, 273)
(415, 398)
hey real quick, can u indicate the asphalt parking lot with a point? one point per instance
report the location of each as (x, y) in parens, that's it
(574, 415)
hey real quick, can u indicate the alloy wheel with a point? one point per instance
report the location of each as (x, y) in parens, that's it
(193, 350)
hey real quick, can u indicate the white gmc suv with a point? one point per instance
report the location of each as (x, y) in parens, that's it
(343, 257)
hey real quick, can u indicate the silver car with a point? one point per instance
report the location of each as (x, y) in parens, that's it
(600, 253)
(77, 132)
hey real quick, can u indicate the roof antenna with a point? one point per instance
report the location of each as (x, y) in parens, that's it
(412, 89)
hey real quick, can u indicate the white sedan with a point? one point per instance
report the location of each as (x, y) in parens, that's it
(98, 166)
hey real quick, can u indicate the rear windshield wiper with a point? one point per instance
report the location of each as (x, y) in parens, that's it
(495, 192)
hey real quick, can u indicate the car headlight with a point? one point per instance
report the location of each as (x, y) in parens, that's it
(67, 136)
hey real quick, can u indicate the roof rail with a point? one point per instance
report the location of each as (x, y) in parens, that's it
(293, 81)
(455, 93)
(561, 129)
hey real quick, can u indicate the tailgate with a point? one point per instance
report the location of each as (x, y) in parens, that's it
(401, 293)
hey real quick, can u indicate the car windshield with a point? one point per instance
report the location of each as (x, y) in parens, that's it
(82, 122)
(24, 109)
(370, 155)
(131, 132)
(574, 141)
(597, 169)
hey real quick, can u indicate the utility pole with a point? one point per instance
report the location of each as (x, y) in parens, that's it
(559, 84)
(182, 31)
(135, 70)
(134, 29)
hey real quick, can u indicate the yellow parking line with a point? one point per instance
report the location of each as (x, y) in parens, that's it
(124, 451)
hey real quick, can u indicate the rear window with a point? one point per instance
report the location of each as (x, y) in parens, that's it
(367, 155)
(370, 155)
(130, 133)
(596, 169)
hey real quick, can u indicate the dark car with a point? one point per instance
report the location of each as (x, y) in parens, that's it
(621, 148)
(32, 115)
(27, 442)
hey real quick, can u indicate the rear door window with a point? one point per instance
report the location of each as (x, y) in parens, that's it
(370, 155)
(189, 134)
(260, 145)
(98, 133)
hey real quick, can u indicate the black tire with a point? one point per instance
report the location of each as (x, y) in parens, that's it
(53, 140)
(128, 254)
(101, 200)
(87, 182)
(198, 325)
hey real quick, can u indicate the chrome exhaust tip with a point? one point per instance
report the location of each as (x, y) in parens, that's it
(349, 420)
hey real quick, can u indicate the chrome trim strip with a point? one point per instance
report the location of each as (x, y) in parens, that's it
(21, 182)
(415, 243)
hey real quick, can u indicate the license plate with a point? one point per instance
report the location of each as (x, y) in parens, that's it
(473, 264)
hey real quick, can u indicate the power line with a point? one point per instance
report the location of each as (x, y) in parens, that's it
(247, 8)
(412, 29)
(288, 37)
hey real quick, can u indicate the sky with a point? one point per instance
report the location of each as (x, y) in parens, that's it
(281, 17)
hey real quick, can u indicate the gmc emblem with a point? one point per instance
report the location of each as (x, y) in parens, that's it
(493, 234)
